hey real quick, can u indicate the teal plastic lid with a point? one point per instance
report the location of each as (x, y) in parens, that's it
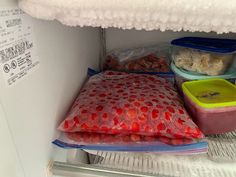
(189, 75)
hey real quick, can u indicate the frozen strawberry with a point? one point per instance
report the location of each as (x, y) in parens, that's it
(181, 111)
(84, 126)
(161, 127)
(137, 104)
(162, 96)
(115, 121)
(180, 121)
(170, 109)
(105, 115)
(167, 116)
(135, 127)
(124, 103)
(119, 111)
(155, 113)
(99, 108)
(148, 103)
(124, 127)
(135, 138)
(144, 109)
(76, 120)
(132, 113)
(84, 111)
(66, 125)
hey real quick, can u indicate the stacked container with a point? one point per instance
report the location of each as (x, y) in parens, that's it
(203, 58)
(212, 105)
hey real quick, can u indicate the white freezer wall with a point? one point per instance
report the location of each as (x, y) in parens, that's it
(118, 38)
(9, 162)
(34, 106)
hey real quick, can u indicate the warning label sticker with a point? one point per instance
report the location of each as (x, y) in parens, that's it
(18, 57)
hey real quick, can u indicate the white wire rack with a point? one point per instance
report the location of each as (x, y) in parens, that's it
(220, 161)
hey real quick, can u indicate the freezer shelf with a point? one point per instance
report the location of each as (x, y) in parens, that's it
(220, 161)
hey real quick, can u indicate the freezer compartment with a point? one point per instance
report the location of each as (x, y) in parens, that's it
(219, 161)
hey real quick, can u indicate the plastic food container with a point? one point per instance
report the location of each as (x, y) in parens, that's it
(182, 75)
(208, 56)
(212, 105)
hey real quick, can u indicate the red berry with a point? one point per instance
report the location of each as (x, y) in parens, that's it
(170, 109)
(95, 128)
(155, 113)
(132, 113)
(168, 131)
(84, 126)
(105, 115)
(181, 111)
(162, 96)
(119, 111)
(102, 95)
(66, 124)
(177, 141)
(99, 108)
(159, 106)
(155, 100)
(141, 99)
(148, 103)
(135, 127)
(142, 117)
(84, 111)
(180, 121)
(133, 96)
(144, 109)
(151, 78)
(120, 91)
(115, 121)
(126, 138)
(104, 129)
(127, 105)
(148, 129)
(123, 126)
(161, 126)
(164, 102)
(76, 120)
(137, 104)
(167, 116)
(135, 138)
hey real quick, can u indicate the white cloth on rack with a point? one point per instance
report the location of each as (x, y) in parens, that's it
(176, 15)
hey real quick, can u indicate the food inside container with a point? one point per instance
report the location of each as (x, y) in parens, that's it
(182, 75)
(212, 105)
(201, 62)
(203, 55)
(144, 59)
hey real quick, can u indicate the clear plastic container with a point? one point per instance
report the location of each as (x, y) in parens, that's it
(202, 62)
(182, 75)
(212, 105)
(210, 56)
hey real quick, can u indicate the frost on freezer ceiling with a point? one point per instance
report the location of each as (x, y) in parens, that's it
(187, 15)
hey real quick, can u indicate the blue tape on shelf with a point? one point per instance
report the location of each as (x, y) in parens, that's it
(136, 148)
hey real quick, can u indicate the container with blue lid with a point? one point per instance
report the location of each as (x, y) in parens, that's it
(208, 56)
(207, 44)
(195, 58)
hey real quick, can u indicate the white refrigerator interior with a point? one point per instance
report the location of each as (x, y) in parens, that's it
(32, 108)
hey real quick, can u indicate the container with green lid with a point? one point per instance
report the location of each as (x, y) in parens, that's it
(212, 104)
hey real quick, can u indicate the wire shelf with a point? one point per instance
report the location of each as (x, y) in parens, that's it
(220, 161)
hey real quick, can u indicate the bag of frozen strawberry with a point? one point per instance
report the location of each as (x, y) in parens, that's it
(144, 59)
(127, 103)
